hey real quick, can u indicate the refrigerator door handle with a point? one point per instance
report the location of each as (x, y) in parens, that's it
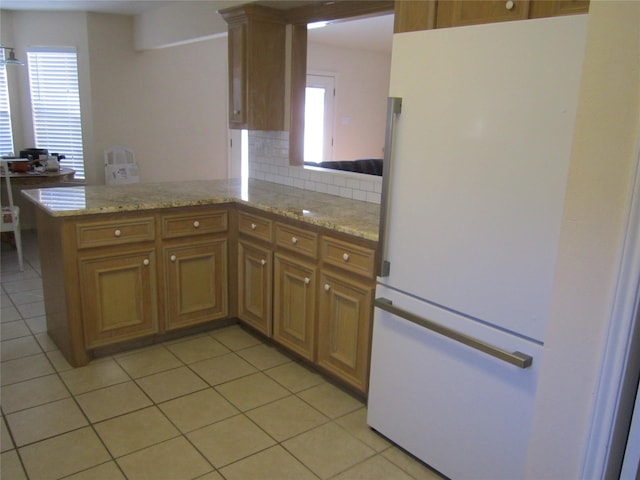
(518, 359)
(394, 107)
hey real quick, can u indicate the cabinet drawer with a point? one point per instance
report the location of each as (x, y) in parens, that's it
(297, 240)
(347, 256)
(131, 230)
(193, 223)
(255, 226)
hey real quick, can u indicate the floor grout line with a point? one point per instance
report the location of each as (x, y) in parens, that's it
(302, 393)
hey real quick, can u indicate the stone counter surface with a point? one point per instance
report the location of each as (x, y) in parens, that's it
(345, 215)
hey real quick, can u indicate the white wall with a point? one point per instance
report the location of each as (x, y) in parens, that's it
(597, 200)
(180, 22)
(169, 105)
(362, 87)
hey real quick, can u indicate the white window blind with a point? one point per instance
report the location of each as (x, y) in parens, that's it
(55, 104)
(6, 137)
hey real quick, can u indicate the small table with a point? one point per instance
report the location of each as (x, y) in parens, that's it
(37, 178)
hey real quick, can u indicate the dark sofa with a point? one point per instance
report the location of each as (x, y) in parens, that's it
(370, 166)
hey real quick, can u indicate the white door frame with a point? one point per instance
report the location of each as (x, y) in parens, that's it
(620, 360)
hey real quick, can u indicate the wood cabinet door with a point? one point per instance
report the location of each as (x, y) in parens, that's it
(344, 328)
(411, 16)
(237, 75)
(196, 288)
(294, 305)
(255, 286)
(553, 8)
(455, 13)
(119, 296)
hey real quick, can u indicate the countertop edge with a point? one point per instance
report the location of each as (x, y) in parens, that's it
(324, 222)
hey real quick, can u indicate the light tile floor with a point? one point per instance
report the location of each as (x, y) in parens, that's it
(220, 405)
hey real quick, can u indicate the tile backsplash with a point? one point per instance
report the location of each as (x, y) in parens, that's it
(269, 161)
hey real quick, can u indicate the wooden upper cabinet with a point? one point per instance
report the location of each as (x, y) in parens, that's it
(412, 15)
(473, 12)
(553, 8)
(256, 67)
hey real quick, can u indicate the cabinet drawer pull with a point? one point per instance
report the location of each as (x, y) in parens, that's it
(263, 262)
(327, 287)
(307, 280)
(117, 233)
(145, 262)
(509, 5)
(345, 257)
(294, 240)
(236, 112)
(253, 226)
(196, 224)
(172, 258)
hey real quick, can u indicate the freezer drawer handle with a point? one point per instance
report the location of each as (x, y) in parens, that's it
(518, 359)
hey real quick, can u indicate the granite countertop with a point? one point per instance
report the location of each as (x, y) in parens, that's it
(337, 213)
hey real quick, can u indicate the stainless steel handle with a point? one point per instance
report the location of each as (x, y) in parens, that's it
(518, 359)
(394, 107)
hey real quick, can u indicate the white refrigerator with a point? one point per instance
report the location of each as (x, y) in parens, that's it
(479, 139)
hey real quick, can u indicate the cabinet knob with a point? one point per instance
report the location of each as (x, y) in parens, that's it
(236, 112)
(509, 5)
(145, 262)
(172, 258)
(307, 280)
(196, 224)
(253, 226)
(345, 257)
(327, 287)
(263, 262)
(117, 233)
(294, 240)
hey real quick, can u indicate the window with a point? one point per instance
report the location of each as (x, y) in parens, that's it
(318, 118)
(6, 136)
(55, 104)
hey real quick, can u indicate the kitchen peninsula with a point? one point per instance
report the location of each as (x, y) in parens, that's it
(129, 265)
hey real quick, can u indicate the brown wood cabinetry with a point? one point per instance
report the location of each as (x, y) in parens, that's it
(294, 304)
(194, 253)
(345, 310)
(117, 267)
(344, 328)
(461, 12)
(119, 295)
(412, 15)
(114, 278)
(317, 298)
(255, 286)
(255, 271)
(118, 278)
(553, 8)
(295, 288)
(256, 45)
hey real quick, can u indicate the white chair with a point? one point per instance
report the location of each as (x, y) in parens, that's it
(120, 166)
(11, 214)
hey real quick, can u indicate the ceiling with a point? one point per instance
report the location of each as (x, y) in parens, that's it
(373, 33)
